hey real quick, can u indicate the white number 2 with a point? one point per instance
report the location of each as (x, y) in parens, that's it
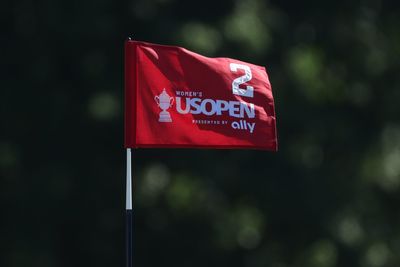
(236, 90)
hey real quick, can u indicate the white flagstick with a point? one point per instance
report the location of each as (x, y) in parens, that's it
(128, 179)
(129, 212)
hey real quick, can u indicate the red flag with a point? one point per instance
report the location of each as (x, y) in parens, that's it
(177, 98)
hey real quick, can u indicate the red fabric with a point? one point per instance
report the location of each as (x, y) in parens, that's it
(201, 107)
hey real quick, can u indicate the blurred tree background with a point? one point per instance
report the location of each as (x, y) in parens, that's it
(329, 197)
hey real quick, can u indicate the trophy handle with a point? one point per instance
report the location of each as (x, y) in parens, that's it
(157, 99)
(171, 101)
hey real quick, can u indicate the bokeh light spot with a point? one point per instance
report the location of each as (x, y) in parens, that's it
(104, 106)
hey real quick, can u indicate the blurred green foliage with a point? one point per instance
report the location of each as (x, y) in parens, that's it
(329, 197)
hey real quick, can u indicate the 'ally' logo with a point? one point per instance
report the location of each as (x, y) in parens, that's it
(164, 101)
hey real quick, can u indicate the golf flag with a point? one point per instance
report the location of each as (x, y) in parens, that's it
(175, 98)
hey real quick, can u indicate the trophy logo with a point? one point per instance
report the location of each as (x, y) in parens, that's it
(164, 101)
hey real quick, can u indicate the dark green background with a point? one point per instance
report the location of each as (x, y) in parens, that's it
(329, 197)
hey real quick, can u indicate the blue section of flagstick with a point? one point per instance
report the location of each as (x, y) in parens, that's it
(129, 238)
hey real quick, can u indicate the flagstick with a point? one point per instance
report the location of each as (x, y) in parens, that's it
(129, 212)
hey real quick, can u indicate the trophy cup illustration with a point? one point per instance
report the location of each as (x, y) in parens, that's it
(164, 101)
